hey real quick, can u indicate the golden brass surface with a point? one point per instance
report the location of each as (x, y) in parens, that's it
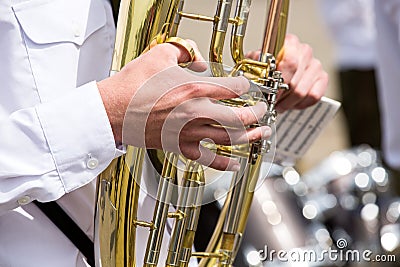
(141, 25)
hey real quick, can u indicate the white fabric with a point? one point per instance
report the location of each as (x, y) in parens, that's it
(388, 66)
(55, 137)
(355, 25)
(49, 127)
(352, 26)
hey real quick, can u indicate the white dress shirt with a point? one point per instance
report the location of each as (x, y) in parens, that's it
(55, 137)
(388, 60)
(352, 26)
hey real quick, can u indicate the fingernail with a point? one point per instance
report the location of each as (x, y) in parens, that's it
(235, 167)
(267, 133)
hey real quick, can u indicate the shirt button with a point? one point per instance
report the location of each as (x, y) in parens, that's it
(92, 163)
(24, 200)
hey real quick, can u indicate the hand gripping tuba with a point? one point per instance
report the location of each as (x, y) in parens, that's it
(140, 23)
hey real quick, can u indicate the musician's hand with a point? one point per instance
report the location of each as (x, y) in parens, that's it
(302, 72)
(154, 103)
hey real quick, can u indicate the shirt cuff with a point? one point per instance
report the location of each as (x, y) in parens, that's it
(79, 135)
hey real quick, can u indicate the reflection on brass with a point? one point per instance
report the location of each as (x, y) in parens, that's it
(141, 25)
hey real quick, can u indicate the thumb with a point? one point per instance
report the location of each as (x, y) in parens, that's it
(199, 64)
(187, 54)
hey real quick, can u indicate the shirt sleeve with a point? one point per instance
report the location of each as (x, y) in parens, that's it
(54, 148)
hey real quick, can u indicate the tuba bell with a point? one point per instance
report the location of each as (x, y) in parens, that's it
(141, 23)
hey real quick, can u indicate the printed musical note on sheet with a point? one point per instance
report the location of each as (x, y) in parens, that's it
(296, 130)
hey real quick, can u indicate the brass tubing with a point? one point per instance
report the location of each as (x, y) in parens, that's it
(139, 22)
(239, 30)
(218, 37)
(197, 17)
(206, 255)
(213, 247)
(164, 194)
(205, 18)
(189, 204)
(178, 17)
(143, 224)
(239, 206)
(238, 184)
(140, 25)
(275, 30)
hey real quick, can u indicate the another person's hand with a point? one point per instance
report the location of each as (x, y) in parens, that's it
(154, 103)
(302, 72)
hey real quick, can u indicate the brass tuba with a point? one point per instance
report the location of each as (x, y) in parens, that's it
(140, 23)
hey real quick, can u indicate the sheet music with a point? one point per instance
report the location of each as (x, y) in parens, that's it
(296, 130)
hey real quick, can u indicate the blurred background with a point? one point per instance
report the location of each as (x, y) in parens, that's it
(305, 21)
(340, 194)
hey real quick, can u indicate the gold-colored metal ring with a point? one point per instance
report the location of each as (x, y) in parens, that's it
(185, 44)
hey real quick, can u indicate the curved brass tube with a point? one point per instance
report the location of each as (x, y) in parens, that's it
(141, 24)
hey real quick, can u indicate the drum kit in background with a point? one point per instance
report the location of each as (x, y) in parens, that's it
(343, 212)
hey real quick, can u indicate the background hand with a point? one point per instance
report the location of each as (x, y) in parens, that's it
(302, 72)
